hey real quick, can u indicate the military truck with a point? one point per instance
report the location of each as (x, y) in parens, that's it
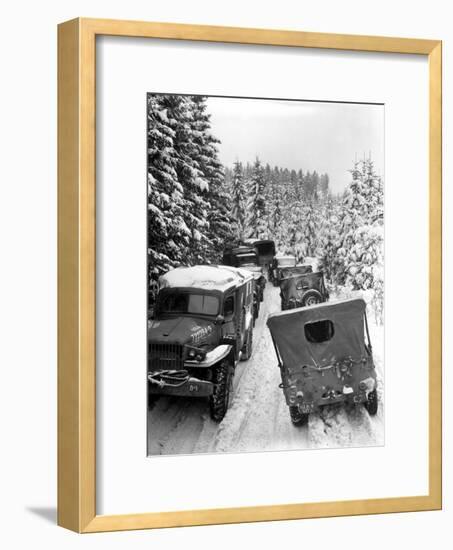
(324, 357)
(265, 249)
(246, 257)
(303, 290)
(201, 327)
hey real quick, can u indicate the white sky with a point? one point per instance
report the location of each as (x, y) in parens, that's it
(325, 137)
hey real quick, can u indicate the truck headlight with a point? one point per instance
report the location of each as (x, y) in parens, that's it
(196, 354)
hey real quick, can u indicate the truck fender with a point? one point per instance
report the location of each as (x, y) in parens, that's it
(212, 357)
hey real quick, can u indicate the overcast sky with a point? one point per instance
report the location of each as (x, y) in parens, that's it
(325, 137)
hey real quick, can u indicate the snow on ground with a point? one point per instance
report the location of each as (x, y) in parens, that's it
(258, 417)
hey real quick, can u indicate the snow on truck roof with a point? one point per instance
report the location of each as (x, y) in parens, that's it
(205, 277)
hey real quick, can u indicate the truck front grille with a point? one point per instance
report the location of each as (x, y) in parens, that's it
(165, 356)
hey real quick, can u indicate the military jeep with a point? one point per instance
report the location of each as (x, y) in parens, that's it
(324, 357)
(246, 257)
(279, 263)
(201, 327)
(303, 290)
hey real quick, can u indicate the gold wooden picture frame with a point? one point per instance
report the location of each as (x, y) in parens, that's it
(77, 269)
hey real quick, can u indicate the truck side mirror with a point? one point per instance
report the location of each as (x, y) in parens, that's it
(219, 320)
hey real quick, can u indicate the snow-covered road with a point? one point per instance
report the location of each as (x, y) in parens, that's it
(258, 418)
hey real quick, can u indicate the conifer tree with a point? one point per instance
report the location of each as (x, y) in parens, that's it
(256, 223)
(238, 199)
(168, 234)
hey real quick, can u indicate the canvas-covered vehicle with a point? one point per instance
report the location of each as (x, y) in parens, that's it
(299, 269)
(277, 264)
(325, 356)
(201, 327)
(303, 290)
(246, 257)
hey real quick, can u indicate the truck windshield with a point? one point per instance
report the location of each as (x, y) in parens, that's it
(182, 302)
(246, 259)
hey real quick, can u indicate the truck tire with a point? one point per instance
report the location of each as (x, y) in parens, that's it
(311, 297)
(220, 399)
(248, 346)
(371, 404)
(152, 398)
(297, 418)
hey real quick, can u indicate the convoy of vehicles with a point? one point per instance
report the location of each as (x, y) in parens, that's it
(202, 324)
(201, 327)
(324, 357)
(303, 290)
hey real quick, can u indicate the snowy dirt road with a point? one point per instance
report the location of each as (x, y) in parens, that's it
(258, 418)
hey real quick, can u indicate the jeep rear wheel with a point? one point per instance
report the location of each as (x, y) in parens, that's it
(371, 404)
(248, 346)
(223, 385)
(311, 297)
(297, 418)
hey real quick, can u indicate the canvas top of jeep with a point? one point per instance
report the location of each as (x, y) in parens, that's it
(321, 334)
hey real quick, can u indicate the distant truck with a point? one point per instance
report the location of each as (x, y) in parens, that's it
(246, 257)
(325, 356)
(202, 326)
(265, 249)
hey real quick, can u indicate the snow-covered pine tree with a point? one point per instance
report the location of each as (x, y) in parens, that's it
(256, 222)
(310, 226)
(361, 230)
(218, 214)
(294, 229)
(329, 237)
(238, 199)
(168, 234)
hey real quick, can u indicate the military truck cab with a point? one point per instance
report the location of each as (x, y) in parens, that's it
(201, 327)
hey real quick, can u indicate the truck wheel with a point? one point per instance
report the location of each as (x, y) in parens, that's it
(152, 398)
(223, 382)
(311, 297)
(371, 404)
(248, 346)
(297, 418)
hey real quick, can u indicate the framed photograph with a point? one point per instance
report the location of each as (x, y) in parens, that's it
(249, 276)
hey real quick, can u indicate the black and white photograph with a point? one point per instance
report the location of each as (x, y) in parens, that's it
(265, 274)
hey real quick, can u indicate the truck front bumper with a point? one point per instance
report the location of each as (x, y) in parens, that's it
(165, 383)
